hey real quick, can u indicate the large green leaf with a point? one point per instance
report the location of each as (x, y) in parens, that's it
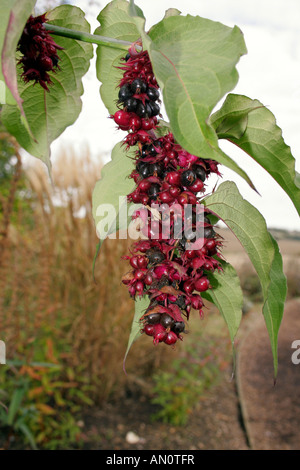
(117, 23)
(274, 306)
(49, 113)
(250, 228)
(113, 185)
(13, 17)
(231, 119)
(194, 62)
(141, 305)
(122, 20)
(185, 91)
(260, 137)
(226, 294)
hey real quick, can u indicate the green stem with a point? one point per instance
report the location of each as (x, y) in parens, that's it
(87, 37)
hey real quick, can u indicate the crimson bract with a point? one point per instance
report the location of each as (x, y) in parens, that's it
(170, 263)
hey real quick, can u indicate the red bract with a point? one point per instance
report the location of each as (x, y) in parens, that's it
(169, 270)
(39, 52)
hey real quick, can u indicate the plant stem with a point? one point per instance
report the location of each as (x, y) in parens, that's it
(87, 37)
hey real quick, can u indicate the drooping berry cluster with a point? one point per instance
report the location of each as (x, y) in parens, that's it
(170, 264)
(39, 52)
(139, 97)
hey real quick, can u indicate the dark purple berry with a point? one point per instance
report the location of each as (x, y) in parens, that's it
(148, 109)
(188, 177)
(208, 232)
(131, 104)
(153, 93)
(144, 169)
(155, 108)
(166, 321)
(151, 150)
(144, 152)
(138, 86)
(155, 256)
(153, 318)
(178, 327)
(124, 93)
(140, 110)
(200, 172)
(157, 169)
(154, 191)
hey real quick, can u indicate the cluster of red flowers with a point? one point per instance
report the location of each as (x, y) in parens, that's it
(171, 270)
(39, 52)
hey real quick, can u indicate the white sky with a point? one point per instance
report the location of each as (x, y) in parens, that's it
(269, 72)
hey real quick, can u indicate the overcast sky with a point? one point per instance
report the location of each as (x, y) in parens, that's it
(269, 72)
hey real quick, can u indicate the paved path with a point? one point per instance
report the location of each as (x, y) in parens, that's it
(271, 413)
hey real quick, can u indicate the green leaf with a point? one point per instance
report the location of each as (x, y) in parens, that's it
(14, 405)
(180, 82)
(261, 139)
(194, 62)
(172, 12)
(274, 306)
(297, 179)
(49, 113)
(226, 294)
(112, 20)
(13, 17)
(250, 228)
(162, 129)
(28, 434)
(231, 119)
(117, 23)
(109, 195)
(141, 305)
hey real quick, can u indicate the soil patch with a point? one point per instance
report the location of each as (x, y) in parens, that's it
(247, 412)
(271, 413)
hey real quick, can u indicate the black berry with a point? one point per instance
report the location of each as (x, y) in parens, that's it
(188, 177)
(178, 327)
(140, 110)
(124, 93)
(138, 86)
(166, 321)
(200, 172)
(131, 104)
(153, 93)
(154, 191)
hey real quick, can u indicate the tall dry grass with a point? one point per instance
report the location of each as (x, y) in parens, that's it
(47, 286)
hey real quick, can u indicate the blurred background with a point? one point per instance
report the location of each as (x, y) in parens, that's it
(66, 333)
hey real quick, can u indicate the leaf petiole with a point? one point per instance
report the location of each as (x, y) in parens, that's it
(87, 37)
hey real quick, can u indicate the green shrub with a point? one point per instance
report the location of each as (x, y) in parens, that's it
(177, 391)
